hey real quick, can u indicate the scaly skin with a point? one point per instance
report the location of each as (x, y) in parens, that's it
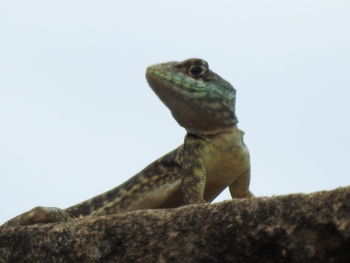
(212, 157)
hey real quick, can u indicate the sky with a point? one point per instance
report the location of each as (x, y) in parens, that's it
(78, 118)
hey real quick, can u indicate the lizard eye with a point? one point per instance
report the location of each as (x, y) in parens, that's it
(197, 71)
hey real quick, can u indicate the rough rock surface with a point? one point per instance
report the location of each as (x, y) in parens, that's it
(291, 228)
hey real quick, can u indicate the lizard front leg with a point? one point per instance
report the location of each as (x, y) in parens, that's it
(193, 172)
(240, 187)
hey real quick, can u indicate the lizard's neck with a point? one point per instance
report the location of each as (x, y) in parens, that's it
(197, 132)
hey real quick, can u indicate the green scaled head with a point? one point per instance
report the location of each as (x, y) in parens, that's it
(199, 99)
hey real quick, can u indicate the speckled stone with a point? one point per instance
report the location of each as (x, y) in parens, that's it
(291, 228)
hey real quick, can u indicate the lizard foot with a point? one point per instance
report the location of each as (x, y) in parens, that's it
(194, 200)
(40, 214)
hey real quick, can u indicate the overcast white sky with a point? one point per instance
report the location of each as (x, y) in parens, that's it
(78, 118)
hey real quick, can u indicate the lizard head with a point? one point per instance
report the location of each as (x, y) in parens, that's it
(199, 99)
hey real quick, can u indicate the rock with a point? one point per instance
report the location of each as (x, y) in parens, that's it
(292, 228)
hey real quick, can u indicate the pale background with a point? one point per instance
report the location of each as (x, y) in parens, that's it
(78, 118)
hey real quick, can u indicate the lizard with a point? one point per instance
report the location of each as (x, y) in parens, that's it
(212, 157)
